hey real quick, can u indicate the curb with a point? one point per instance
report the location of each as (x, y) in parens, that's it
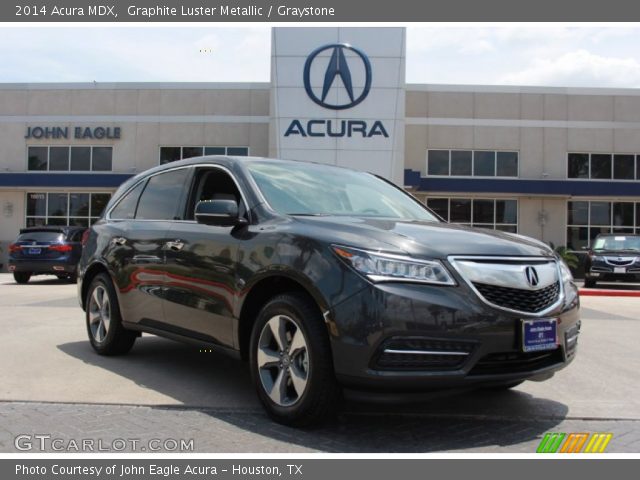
(588, 292)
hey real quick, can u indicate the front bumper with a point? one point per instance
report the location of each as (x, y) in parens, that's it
(599, 273)
(486, 341)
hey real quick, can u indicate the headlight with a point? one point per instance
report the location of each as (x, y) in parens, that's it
(567, 276)
(380, 267)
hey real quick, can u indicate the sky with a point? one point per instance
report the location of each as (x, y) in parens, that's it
(585, 56)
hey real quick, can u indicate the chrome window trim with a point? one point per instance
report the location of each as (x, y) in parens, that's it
(452, 259)
(198, 165)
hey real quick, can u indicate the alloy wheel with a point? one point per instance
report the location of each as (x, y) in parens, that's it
(99, 313)
(283, 360)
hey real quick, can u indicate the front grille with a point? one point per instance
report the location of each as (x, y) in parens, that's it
(419, 353)
(532, 301)
(515, 362)
(624, 262)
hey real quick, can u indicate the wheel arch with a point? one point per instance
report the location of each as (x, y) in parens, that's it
(90, 273)
(260, 293)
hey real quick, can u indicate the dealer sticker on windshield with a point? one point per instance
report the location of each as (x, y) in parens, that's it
(539, 335)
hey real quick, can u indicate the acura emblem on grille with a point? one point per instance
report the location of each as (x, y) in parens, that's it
(532, 276)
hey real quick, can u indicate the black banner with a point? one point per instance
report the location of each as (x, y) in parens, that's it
(318, 11)
(314, 469)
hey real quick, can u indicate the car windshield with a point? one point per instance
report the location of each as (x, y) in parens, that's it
(309, 189)
(621, 242)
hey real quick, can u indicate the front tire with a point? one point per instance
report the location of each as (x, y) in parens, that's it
(21, 277)
(291, 362)
(104, 322)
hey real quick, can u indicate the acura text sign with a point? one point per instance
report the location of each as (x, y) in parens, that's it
(337, 74)
(338, 97)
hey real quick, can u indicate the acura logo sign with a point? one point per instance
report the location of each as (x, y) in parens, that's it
(532, 276)
(338, 67)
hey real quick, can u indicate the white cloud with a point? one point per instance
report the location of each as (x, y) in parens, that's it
(578, 68)
(135, 54)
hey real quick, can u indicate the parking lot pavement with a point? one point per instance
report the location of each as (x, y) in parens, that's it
(53, 383)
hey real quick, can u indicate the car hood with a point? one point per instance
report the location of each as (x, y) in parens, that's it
(616, 253)
(422, 239)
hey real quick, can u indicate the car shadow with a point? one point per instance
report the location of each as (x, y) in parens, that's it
(38, 280)
(221, 387)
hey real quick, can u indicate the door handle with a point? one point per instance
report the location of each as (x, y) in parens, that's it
(119, 241)
(175, 245)
(145, 259)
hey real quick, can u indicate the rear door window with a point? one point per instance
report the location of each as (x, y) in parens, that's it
(163, 196)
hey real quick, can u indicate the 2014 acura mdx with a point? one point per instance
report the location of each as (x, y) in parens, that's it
(323, 278)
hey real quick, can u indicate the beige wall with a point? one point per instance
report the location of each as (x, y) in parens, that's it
(138, 147)
(543, 127)
(12, 210)
(542, 124)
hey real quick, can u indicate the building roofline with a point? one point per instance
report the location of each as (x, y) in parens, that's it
(416, 87)
(138, 86)
(459, 88)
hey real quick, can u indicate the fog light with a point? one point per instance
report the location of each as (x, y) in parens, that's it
(58, 269)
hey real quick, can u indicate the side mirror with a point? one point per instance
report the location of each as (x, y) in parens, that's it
(221, 213)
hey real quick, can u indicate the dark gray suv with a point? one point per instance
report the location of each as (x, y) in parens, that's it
(322, 278)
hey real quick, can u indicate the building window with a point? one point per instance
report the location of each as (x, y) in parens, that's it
(472, 163)
(171, 154)
(586, 219)
(70, 158)
(603, 166)
(493, 213)
(60, 208)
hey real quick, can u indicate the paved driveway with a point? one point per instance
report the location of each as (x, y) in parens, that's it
(53, 384)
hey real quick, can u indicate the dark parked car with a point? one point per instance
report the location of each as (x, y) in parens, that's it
(322, 278)
(49, 250)
(613, 257)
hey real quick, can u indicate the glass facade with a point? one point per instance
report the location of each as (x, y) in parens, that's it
(171, 154)
(493, 213)
(70, 158)
(588, 218)
(603, 166)
(472, 163)
(63, 208)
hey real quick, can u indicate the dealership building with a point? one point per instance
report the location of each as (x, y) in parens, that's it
(557, 164)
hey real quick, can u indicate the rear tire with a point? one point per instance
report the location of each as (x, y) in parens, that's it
(104, 322)
(589, 283)
(291, 362)
(21, 277)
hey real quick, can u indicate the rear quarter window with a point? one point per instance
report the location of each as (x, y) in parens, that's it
(126, 206)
